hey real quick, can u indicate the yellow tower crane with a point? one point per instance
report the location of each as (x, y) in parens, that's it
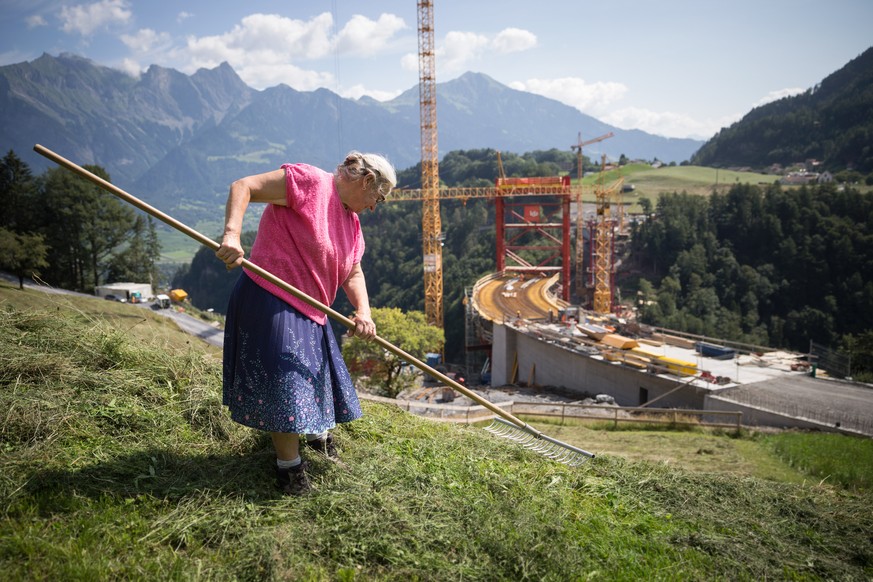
(603, 242)
(580, 242)
(430, 182)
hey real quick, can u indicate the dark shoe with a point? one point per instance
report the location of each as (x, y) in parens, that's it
(293, 481)
(324, 446)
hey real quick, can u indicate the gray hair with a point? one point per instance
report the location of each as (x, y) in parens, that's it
(357, 164)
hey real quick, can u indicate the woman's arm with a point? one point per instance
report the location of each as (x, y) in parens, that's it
(267, 188)
(355, 288)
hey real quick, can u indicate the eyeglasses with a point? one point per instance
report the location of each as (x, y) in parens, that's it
(382, 189)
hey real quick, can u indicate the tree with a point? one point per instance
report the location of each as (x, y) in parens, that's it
(22, 254)
(380, 370)
(95, 224)
(17, 189)
(860, 349)
(137, 262)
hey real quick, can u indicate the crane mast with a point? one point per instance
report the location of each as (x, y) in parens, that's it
(604, 243)
(580, 243)
(430, 218)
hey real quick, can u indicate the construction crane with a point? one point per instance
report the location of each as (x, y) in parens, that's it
(430, 217)
(603, 243)
(580, 241)
(430, 192)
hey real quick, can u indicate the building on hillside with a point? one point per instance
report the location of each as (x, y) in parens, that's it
(799, 178)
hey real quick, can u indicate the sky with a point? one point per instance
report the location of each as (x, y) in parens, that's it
(675, 68)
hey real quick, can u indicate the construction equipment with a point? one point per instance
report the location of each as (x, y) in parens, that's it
(580, 241)
(431, 228)
(504, 190)
(510, 427)
(603, 243)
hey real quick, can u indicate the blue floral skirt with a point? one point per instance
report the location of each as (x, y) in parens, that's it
(283, 372)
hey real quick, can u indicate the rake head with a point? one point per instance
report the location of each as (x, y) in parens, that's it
(536, 441)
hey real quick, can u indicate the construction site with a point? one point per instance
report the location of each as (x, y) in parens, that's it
(548, 317)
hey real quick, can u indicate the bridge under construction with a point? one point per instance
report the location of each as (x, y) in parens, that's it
(533, 338)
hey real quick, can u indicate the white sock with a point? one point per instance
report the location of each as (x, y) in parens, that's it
(288, 464)
(321, 436)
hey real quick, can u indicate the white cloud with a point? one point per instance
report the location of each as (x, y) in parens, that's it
(460, 48)
(601, 100)
(35, 20)
(513, 40)
(131, 67)
(263, 47)
(267, 49)
(409, 62)
(183, 16)
(364, 37)
(146, 40)
(666, 123)
(358, 91)
(269, 75)
(86, 18)
(777, 95)
(590, 98)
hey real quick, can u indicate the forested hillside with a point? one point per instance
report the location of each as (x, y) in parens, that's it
(774, 267)
(831, 123)
(69, 232)
(767, 265)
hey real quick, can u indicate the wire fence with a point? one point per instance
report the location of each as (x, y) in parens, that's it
(615, 414)
(855, 421)
(837, 364)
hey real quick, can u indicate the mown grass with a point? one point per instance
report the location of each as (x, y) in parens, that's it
(118, 462)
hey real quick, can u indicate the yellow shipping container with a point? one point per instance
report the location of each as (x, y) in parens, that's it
(679, 366)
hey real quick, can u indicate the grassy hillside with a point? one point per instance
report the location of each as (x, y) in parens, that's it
(650, 182)
(119, 463)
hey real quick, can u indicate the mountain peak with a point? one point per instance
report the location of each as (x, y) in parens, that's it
(169, 132)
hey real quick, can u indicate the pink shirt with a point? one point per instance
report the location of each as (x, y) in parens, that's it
(312, 243)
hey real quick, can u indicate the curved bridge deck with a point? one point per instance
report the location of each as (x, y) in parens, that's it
(499, 297)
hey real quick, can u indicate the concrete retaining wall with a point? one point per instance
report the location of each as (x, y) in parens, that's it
(543, 363)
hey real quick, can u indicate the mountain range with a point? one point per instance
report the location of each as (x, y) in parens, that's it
(177, 140)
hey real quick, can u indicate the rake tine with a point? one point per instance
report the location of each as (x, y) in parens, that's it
(539, 443)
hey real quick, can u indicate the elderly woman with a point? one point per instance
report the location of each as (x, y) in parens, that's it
(283, 370)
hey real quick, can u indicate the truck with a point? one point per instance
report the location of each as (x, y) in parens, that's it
(132, 292)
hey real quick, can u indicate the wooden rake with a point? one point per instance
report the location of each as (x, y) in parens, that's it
(507, 426)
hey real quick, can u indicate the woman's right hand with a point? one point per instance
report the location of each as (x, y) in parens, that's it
(230, 252)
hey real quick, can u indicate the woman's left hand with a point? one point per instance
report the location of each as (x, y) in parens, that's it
(364, 327)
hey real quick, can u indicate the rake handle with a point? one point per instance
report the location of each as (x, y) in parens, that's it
(333, 314)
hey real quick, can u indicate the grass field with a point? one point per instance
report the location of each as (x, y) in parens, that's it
(119, 463)
(649, 182)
